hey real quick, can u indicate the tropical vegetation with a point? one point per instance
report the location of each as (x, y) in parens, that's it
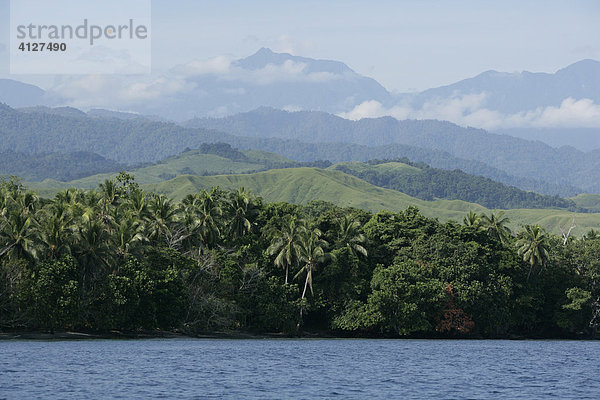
(121, 258)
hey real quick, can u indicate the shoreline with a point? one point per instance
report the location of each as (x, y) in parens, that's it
(145, 335)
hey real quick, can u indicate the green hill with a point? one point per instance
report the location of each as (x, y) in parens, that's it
(301, 185)
(588, 201)
(190, 162)
(426, 183)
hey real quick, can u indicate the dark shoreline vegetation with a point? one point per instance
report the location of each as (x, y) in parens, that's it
(121, 259)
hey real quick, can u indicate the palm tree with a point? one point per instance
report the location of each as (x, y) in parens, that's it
(495, 224)
(92, 249)
(312, 252)
(532, 245)
(206, 206)
(18, 235)
(162, 217)
(128, 235)
(56, 230)
(287, 243)
(241, 208)
(350, 236)
(472, 219)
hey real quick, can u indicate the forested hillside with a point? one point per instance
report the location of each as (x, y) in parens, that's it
(134, 141)
(517, 157)
(59, 166)
(123, 259)
(428, 183)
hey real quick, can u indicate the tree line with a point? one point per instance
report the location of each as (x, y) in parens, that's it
(119, 258)
(431, 183)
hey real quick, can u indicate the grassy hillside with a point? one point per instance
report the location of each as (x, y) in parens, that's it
(301, 185)
(191, 162)
(426, 183)
(587, 200)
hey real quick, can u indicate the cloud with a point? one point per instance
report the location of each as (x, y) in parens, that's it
(288, 71)
(469, 110)
(222, 68)
(286, 44)
(214, 66)
(583, 113)
(115, 91)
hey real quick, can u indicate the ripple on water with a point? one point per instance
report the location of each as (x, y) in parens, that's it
(273, 369)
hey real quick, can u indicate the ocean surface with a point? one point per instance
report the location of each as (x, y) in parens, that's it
(299, 369)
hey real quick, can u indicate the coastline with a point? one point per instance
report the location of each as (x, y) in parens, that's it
(144, 335)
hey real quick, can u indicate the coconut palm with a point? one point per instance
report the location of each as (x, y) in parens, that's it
(350, 236)
(240, 208)
(532, 245)
(287, 242)
(18, 235)
(472, 219)
(312, 252)
(128, 235)
(162, 217)
(495, 224)
(92, 248)
(56, 230)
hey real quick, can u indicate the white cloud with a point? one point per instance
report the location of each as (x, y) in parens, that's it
(223, 69)
(289, 71)
(117, 91)
(286, 44)
(583, 113)
(216, 66)
(469, 110)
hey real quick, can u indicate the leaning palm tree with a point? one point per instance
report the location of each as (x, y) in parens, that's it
(495, 224)
(532, 245)
(287, 243)
(351, 237)
(312, 252)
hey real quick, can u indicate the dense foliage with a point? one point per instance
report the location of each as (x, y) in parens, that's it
(61, 167)
(431, 183)
(120, 258)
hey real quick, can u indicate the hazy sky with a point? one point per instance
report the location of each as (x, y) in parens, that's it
(405, 45)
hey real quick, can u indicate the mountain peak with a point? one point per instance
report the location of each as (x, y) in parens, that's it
(587, 66)
(265, 56)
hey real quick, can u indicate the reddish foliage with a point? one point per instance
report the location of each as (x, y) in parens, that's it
(454, 318)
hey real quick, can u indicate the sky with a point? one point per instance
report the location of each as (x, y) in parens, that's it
(405, 45)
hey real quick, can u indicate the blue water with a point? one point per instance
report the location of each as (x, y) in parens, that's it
(310, 369)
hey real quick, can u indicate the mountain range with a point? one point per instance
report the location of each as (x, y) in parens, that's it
(298, 137)
(568, 98)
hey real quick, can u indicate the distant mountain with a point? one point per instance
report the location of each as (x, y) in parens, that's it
(265, 78)
(134, 141)
(62, 167)
(584, 139)
(19, 94)
(221, 87)
(523, 91)
(517, 157)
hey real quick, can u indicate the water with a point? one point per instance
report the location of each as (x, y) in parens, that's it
(309, 369)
